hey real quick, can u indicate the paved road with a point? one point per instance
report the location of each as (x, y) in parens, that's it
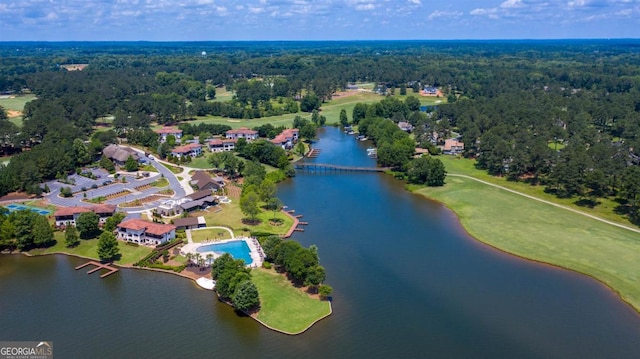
(132, 182)
(548, 202)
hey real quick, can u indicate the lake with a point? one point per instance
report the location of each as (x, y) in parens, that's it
(408, 282)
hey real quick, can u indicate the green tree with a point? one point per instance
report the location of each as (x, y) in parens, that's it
(7, 235)
(274, 204)
(71, 238)
(344, 120)
(246, 296)
(308, 131)
(3, 113)
(267, 190)
(42, 232)
(413, 104)
(249, 205)
(87, 225)
(325, 291)
(108, 248)
(131, 164)
(80, 152)
(112, 222)
(23, 228)
(300, 149)
(315, 276)
(107, 164)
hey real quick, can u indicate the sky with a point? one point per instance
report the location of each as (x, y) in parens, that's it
(204, 20)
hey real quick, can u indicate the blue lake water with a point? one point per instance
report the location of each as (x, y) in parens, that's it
(408, 283)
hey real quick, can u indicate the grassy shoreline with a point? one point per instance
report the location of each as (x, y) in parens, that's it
(543, 233)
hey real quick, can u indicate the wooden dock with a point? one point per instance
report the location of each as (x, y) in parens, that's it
(315, 152)
(323, 167)
(99, 266)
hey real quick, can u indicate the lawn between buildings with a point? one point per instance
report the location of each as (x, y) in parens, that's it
(540, 231)
(88, 248)
(284, 307)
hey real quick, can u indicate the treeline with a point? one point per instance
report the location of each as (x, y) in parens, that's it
(24, 230)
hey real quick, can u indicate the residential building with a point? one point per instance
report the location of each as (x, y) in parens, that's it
(430, 91)
(192, 149)
(144, 232)
(222, 145)
(203, 180)
(189, 223)
(452, 146)
(167, 131)
(120, 154)
(68, 216)
(242, 132)
(405, 126)
(287, 138)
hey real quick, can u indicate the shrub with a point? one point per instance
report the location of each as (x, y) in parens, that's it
(266, 265)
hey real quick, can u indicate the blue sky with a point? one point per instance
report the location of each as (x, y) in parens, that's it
(200, 20)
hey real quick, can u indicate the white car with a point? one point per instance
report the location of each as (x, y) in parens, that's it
(151, 157)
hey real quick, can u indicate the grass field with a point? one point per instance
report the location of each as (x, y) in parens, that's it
(605, 209)
(330, 109)
(285, 307)
(202, 235)
(16, 104)
(541, 232)
(231, 216)
(89, 248)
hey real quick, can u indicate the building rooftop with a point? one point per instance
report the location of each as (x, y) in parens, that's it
(137, 224)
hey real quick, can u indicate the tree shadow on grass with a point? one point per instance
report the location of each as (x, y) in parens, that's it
(587, 202)
(251, 222)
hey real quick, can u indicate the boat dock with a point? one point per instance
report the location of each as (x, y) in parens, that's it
(99, 266)
(315, 152)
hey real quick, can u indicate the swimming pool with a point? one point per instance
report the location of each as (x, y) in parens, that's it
(237, 249)
(19, 207)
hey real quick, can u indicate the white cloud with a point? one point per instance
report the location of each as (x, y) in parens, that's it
(256, 10)
(416, 2)
(511, 4)
(436, 14)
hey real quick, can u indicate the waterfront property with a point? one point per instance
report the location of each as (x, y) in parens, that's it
(145, 232)
(287, 138)
(67, 216)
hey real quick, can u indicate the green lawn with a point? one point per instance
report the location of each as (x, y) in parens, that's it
(17, 104)
(202, 235)
(161, 182)
(89, 248)
(231, 217)
(605, 209)
(330, 109)
(200, 162)
(544, 233)
(284, 307)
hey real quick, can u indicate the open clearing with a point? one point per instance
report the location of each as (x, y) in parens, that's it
(542, 232)
(14, 106)
(284, 306)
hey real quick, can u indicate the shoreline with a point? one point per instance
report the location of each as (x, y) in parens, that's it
(194, 280)
(480, 241)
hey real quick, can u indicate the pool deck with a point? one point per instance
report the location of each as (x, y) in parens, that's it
(255, 250)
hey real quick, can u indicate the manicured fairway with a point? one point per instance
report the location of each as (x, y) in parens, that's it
(285, 307)
(544, 233)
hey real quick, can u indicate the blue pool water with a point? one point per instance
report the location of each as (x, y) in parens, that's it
(237, 249)
(19, 207)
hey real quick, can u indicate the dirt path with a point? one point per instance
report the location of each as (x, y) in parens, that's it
(548, 202)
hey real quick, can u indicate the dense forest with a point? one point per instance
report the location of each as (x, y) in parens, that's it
(563, 114)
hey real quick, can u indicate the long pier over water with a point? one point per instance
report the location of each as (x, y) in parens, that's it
(323, 167)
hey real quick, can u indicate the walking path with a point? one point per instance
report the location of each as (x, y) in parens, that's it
(548, 202)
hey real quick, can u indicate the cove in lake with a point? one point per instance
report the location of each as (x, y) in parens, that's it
(408, 282)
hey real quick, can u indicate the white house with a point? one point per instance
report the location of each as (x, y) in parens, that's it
(192, 149)
(145, 232)
(166, 131)
(242, 132)
(68, 216)
(222, 145)
(287, 138)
